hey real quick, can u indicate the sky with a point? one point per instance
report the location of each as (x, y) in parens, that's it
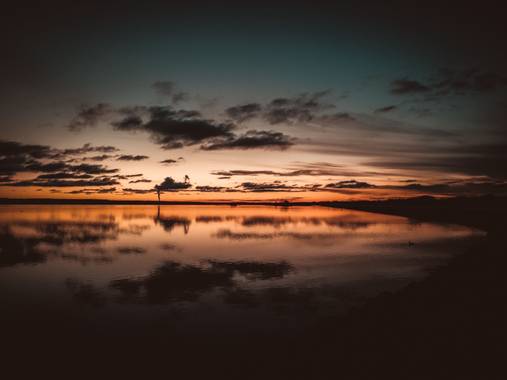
(274, 100)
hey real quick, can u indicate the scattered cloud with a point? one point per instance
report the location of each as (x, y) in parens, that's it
(290, 110)
(171, 91)
(172, 129)
(211, 189)
(450, 81)
(127, 190)
(386, 109)
(298, 169)
(252, 140)
(268, 187)
(407, 86)
(66, 183)
(87, 148)
(102, 157)
(89, 116)
(129, 157)
(171, 161)
(244, 112)
(351, 184)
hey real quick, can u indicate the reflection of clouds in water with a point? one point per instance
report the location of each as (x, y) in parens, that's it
(14, 250)
(132, 216)
(130, 250)
(31, 242)
(59, 233)
(320, 237)
(344, 221)
(209, 219)
(231, 265)
(135, 229)
(173, 281)
(170, 247)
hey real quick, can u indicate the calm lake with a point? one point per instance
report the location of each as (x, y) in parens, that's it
(204, 269)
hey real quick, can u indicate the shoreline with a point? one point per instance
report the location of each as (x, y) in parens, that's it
(485, 212)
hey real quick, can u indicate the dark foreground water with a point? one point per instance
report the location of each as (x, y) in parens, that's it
(206, 270)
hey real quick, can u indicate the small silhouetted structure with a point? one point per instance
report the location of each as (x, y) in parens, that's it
(157, 189)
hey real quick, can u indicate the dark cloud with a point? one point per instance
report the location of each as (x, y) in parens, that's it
(352, 184)
(85, 168)
(15, 149)
(211, 189)
(109, 190)
(9, 166)
(176, 128)
(170, 161)
(252, 140)
(141, 181)
(170, 90)
(138, 191)
(89, 116)
(36, 166)
(450, 81)
(364, 125)
(172, 129)
(301, 108)
(487, 160)
(478, 187)
(129, 123)
(299, 169)
(229, 173)
(16, 158)
(339, 116)
(65, 183)
(297, 109)
(459, 82)
(386, 109)
(421, 111)
(63, 175)
(129, 157)
(170, 184)
(267, 187)
(244, 112)
(88, 148)
(407, 86)
(101, 157)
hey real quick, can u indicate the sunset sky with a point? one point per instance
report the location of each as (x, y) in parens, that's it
(269, 101)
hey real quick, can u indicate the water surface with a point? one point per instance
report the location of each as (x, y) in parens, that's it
(203, 269)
